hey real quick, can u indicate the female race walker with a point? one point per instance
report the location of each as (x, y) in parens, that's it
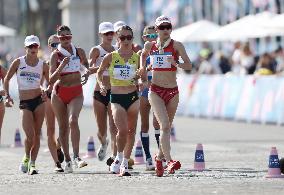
(100, 102)
(29, 70)
(149, 34)
(122, 65)
(2, 93)
(67, 95)
(163, 94)
(54, 148)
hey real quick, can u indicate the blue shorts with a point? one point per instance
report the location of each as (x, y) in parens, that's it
(145, 92)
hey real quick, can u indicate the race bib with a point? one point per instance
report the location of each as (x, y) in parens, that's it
(73, 65)
(124, 72)
(160, 61)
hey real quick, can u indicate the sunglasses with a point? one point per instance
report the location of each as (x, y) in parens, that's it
(108, 33)
(65, 37)
(33, 46)
(54, 45)
(164, 27)
(128, 37)
(151, 36)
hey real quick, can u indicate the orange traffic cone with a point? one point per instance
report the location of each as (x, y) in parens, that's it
(91, 152)
(139, 159)
(17, 139)
(274, 165)
(199, 162)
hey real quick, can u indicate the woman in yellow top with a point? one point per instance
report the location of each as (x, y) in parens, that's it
(122, 65)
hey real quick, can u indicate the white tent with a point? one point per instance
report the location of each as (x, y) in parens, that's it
(195, 32)
(6, 31)
(276, 22)
(250, 26)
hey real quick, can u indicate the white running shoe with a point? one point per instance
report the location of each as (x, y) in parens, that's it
(149, 165)
(115, 166)
(123, 170)
(102, 151)
(68, 167)
(79, 163)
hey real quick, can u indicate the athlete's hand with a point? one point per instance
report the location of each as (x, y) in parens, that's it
(44, 95)
(9, 101)
(85, 77)
(143, 85)
(103, 90)
(2, 93)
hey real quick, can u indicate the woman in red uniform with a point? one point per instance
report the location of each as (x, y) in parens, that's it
(164, 94)
(67, 96)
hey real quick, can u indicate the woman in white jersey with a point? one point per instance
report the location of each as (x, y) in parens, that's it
(54, 148)
(29, 70)
(164, 94)
(100, 102)
(67, 95)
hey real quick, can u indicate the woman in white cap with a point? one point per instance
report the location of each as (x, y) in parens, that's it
(67, 95)
(163, 94)
(54, 147)
(122, 66)
(29, 70)
(101, 104)
(2, 94)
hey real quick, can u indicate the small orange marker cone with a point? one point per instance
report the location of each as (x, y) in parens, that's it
(91, 152)
(274, 165)
(17, 139)
(139, 159)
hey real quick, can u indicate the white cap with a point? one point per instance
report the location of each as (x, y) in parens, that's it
(118, 24)
(32, 39)
(105, 27)
(162, 19)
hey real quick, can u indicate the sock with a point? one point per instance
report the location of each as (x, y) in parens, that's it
(75, 156)
(32, 162)
(157, 136)
(145, 144)
(125, 162)
(119, 156)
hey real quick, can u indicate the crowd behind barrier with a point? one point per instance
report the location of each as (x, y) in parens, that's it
(241, 98)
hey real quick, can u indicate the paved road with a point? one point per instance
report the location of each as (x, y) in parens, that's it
(236, 155)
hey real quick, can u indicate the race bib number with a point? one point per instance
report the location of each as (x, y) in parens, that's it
(160, 61)
(123, 72)
(73, 65)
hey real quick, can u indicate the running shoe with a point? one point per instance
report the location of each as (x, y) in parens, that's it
(68, 167)
(32, 169)
(149, 165)
(60, 155)
(172, 166)
(159, 168)
(58, 168)
(163, 161)
(115, 167)
(24, 166)
(102, 151)
(130, 163)
(124, 170)
(79, 163)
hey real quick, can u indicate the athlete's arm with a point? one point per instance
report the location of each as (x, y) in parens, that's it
(93, 56)
(84, 62)
(143, 56)
(186, 65)
(12, 70)
(55, 71)
(3, 73)
(103, 67)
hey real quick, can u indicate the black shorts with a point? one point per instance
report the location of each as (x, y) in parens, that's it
(103, 99)
(125, 100)
(31, 104)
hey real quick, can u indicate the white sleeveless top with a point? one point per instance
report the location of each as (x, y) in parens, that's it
(29, 77)
(74, 64)
(102, 54)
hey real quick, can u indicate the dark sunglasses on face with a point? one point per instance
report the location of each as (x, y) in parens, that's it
(163, 27)
(65, 37)
(33, 46)
(152, 36)
(128, 37)
(108, 33)
(54, 45)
